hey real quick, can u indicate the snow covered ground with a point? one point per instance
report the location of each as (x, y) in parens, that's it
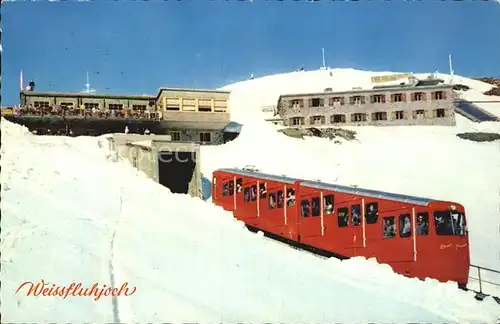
(73, 212)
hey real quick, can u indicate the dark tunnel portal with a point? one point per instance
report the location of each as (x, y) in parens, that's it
(175, 170)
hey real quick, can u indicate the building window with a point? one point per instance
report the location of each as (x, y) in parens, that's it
(398, 97)
(339, 118)
(175, 136)
(173, 107)
(381, 115)
(357, 100)
(91, 105)
(418, 96)
(398, 115)
(138, 107)
(358, 117)
(317, 120)
(41, 104)
(419, 114)
(317, 102)
(296, 103)
(66, 105)
(377, 99)
(438, 95)
(296, 121)
(204, 109)
(205, 137)
(115, 106)
(440, 113)
(334, 101)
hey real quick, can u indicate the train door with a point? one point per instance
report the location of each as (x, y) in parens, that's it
(224, 188)
(424, 240)
(290, 212)
(350, 226)
(273, 211)
(239, 206)
(310, 215)
(249, 212)
(397, 234)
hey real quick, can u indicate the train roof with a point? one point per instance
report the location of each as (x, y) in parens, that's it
(333, 187)
(369, 193)
(261, 175)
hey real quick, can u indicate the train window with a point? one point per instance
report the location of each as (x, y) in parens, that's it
(422, 224)
(253, 193)
(290, 197)
(356, 215)
(246, 194)
(316, 206)
(449, 223)
(389, 227)
(343, 216)
(404, 225)
(371, 215)
(280, 199)
(231, 187)
(262, 191)
(224, 189)
(305, 210)
(239, 185)
(272, 200)
(328, 204)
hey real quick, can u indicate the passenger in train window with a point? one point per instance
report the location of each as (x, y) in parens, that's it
(316, 208)
(449, 223)
(343, 216)
(371, 213)
(356, 215)
(328, 204)
(263, 190)
(247, 194)
(422, 224)
(239, 185)
(280, 199)
(304, 208)
(389, 229)
(253, 193)
(290, 197)
(224, 189)
(231, 188)
(272, 200)
(404, 225)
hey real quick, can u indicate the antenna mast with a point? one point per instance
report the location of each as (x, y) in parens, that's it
(451, 69)
(87, 85)
(324, 63)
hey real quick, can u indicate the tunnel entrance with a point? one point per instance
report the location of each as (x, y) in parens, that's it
(175, 170)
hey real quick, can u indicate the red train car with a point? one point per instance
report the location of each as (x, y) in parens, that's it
(418, 237)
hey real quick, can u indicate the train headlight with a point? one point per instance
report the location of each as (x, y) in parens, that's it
(453, 207)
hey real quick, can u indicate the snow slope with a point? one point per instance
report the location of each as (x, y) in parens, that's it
(71, 210)
(429, 161)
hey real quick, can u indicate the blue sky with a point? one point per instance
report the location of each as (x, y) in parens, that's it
(136, 47)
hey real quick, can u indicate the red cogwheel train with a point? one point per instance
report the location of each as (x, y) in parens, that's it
(418, 237)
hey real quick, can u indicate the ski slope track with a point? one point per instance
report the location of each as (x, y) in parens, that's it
(74, 212)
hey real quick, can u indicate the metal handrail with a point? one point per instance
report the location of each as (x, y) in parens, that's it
(479, 268)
